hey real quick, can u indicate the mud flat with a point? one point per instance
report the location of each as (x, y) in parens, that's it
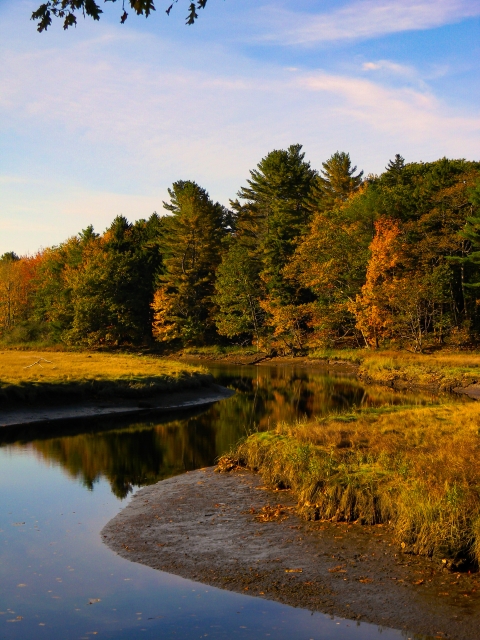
(166, 402)
(229, 531)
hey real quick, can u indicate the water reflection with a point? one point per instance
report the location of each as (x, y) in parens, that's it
(52, 562)
(131, 453)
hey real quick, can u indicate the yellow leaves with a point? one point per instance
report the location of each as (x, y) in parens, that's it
(164, 328)
(288, 321)
(338, 569)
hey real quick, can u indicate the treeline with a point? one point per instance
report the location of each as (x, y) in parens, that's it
(301, 258)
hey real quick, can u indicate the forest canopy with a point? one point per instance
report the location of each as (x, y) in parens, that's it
(301, 259)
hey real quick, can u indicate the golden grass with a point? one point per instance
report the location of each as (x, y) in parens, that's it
(416, 469)
(33, 374)
(442, 370)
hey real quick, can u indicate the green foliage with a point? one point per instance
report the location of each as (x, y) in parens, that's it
(67, 10)
(302, 260)
(237, 294)
(275, 211)
(98, 290)
(191, 242)
(336, 182)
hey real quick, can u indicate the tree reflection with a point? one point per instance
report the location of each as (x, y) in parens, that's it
(130, 454)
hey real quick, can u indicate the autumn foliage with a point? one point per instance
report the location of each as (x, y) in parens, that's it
(301, 259)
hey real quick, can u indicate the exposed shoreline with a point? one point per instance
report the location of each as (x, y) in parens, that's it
(208, 527)
(166, 402)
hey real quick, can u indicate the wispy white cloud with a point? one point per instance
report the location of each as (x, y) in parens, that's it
(405, 114)
(390, 67)
(102, 134)
(363, 20)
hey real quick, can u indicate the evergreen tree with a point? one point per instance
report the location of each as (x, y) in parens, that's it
(238, 295)
(336, 182)
(275, 213)
(191, 242)
(394, 170)
(270, 223)
(471, 234)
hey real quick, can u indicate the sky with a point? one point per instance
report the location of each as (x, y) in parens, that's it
(100, 120)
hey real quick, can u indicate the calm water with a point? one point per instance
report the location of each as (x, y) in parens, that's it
(58, 488)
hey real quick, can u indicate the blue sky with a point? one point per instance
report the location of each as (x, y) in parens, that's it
(100, 120)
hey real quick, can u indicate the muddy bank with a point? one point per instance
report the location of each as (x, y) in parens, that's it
(190, 398)
(227, 530)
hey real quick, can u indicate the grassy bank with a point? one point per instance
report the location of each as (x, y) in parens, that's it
(47, 375)
(415, 469)
(441, 370)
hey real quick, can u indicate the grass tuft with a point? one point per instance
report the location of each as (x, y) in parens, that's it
(441, 370)
(413, 468)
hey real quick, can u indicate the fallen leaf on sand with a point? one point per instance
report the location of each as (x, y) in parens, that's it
(419, 582)
(293, 570)
(269, 513)
(339, 569)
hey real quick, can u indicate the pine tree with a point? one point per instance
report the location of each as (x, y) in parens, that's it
(271, 222)
(394, 170)
(275, 213)
(336, 182)
(471, 233)
(191, 243)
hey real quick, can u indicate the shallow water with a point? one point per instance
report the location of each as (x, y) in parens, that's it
(59, 487)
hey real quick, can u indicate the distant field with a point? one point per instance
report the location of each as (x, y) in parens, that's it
(32, 375)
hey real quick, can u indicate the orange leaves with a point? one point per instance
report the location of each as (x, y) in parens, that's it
(270, 513)
(16, 287)
(371, 308)
(287, 320)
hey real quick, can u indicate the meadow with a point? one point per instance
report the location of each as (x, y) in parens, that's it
(48, 375)
(414, 469)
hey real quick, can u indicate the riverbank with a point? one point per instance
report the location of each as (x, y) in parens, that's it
(229, 531)
(59, 377)
(414, 469)
(437, 372)
(164, 403)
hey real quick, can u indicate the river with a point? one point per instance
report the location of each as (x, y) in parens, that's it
(59, 485)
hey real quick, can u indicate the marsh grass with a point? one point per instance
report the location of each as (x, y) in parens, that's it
(442, 370)
(416, 469)
(85, 375)
(219, 351)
